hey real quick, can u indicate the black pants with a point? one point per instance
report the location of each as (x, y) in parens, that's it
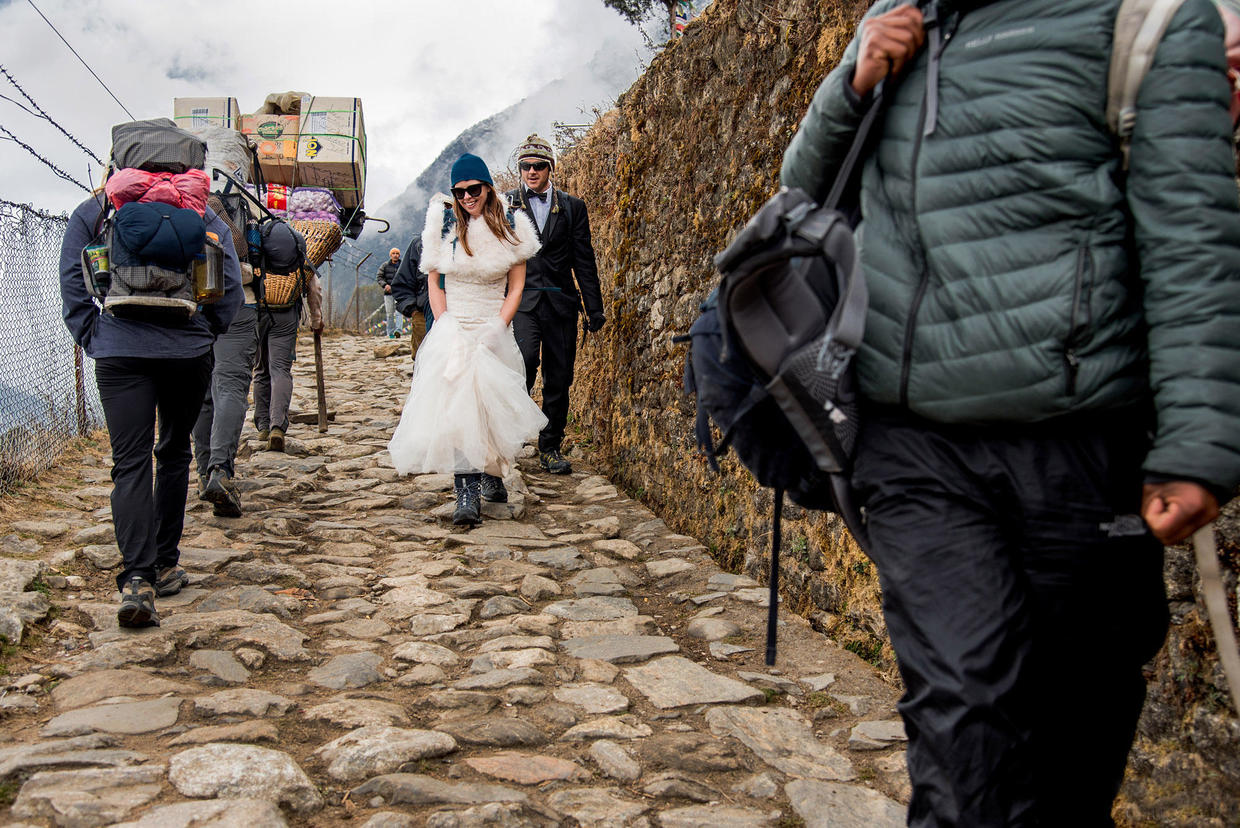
(543, 333)
(149, 515)
(1022, 594)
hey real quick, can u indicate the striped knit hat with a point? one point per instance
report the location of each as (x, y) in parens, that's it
(536, 147)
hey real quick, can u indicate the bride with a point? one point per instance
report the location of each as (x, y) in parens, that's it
(468, 411)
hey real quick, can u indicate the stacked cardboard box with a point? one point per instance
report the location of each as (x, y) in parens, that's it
(275, 137)
(195, 113)
(323, 146)
(331, 147)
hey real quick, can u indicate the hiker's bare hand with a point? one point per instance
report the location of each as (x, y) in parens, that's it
(888, 42)
(1177, 509)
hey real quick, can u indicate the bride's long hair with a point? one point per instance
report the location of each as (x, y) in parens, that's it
(492, 212)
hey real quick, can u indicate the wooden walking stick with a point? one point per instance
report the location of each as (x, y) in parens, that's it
(318, 381)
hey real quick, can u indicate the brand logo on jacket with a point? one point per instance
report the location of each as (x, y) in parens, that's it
(986, 40)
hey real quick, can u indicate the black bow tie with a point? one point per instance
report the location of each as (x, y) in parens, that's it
(540, 196)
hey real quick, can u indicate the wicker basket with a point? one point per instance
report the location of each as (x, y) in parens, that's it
(283, 289)
(323, 238)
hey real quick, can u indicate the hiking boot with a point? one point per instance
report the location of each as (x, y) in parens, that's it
(275, 441)
(263, 434)
(222, 492)
(493, 489)
(137, 607)
(468, 506)
(554, 462)
(202, 486)
(170, 580)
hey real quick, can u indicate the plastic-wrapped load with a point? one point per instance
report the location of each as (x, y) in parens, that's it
(313, 204)
(227, 150)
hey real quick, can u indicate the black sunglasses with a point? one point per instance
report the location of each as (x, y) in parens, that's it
(473, 191)
(539, 166)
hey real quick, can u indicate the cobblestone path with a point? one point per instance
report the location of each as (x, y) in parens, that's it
(344, 656)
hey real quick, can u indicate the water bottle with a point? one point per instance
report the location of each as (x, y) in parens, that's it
(208, 272)
(253, 241)
(96, 269)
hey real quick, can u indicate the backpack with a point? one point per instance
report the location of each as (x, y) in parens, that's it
(145, 259)
(280, 278)
(274, 249)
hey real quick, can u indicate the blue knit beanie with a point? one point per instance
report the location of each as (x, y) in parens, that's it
(470, 168)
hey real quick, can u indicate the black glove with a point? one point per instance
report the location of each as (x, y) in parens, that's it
(595, 321)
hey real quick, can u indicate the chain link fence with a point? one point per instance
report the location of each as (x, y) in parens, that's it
(47, 386)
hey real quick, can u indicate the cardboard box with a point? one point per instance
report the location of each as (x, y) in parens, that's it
(195, 113)
(331, 147)
(275, 137)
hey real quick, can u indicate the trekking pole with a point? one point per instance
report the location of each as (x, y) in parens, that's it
(1216, 608)
(318, 381)
(772, 613)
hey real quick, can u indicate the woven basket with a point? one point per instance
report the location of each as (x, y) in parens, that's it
(283, 288)
(323, 238)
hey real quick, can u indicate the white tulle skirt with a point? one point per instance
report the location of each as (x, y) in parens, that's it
(467, 408)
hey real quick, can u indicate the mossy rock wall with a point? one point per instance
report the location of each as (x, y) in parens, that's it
(669, 175)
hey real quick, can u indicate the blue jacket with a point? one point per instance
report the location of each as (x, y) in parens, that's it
(103, 335)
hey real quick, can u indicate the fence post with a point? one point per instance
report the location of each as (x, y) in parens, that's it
(79, 370)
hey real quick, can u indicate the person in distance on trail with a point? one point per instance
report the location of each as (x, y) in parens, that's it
(218, 430)
(409, 290)
(277, 350)
(1051, 378)
(546, 323)
(468, 411)
(387, 275)
(147, 374)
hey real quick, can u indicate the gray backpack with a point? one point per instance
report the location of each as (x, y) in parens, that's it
(1139, 28)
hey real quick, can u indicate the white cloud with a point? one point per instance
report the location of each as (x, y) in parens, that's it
(424, 70)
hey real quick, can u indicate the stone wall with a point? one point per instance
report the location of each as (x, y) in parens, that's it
(690, 152)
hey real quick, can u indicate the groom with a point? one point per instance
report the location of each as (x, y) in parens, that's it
(546, 322)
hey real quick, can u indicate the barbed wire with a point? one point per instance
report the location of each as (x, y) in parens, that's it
(42, 113)
(34, 211)
(49, 164)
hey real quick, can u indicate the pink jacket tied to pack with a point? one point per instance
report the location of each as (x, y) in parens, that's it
(188, 190)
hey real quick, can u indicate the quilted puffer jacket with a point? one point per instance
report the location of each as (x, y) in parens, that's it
(1015, 273)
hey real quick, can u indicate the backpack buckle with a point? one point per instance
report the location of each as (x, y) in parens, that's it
(833, 358)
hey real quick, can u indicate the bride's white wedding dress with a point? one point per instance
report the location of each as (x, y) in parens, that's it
(468, 408)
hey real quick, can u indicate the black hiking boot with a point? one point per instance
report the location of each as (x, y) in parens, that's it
(137, 607)
(223, 494)
(493, 489)
(554, 462)
(468, 506)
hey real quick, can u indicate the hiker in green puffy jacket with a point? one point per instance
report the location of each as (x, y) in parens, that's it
(1051, 371)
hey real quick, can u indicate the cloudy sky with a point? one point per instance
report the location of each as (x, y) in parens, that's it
(424, 70)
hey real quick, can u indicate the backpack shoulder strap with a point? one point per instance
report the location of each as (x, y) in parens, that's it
(1139, 28)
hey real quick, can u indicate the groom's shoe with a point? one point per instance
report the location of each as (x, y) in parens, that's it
(554, 462)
